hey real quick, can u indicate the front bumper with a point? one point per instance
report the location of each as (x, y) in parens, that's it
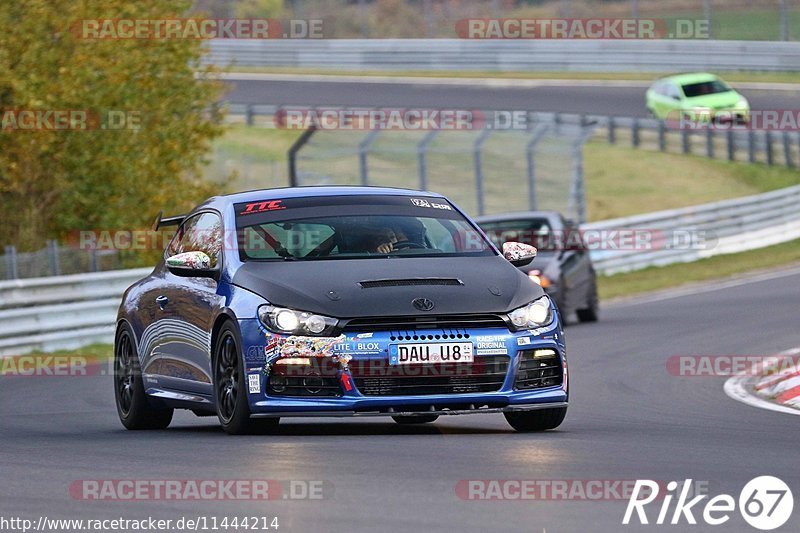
(357, 351)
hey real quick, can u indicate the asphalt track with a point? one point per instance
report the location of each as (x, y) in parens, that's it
(568, 97)
(628, 418)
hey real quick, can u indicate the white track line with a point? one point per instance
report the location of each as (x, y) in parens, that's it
(739, 388)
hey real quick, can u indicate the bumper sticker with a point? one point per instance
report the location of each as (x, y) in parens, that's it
(254, 383)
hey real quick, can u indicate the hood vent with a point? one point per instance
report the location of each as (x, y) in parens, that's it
(411, 282)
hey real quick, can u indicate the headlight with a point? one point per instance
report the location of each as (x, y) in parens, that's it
(742, 103)
(533, 315)
(538, 278)
(293, 322)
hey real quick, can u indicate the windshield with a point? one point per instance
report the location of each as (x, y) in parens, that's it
(533, 231)
(703, 88)
(354, 227)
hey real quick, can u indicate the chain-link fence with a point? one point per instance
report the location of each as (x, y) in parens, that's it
(56, 260)
(484, 171)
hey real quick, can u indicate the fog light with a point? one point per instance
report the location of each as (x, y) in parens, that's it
(540, 354)
(300, 361)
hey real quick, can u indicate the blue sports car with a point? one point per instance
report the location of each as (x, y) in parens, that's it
(337, 301)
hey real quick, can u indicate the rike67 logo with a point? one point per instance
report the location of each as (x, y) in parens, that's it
(765, 503)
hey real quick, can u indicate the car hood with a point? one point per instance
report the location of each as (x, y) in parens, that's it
(726, 99)
(335, 287)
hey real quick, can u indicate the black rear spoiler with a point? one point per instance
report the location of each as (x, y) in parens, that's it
(161, 222)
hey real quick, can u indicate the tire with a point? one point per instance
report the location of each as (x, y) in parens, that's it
(590, 314)
(230, 396)
(133, 408)
(409, 420)
(539, 420)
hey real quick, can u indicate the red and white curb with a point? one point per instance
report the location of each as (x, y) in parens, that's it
(775, 392)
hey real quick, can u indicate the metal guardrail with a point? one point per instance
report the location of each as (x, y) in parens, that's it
(61, 312)
(723, 227)
(509, 55)
(71, 311)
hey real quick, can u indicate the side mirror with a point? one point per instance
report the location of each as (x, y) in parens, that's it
(192, 265)
(519, 254)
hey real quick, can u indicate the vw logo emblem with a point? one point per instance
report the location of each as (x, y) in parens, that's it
(423, 304)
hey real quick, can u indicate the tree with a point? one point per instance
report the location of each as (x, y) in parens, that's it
(53, 182)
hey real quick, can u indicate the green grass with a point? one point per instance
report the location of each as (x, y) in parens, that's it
(622, 181)
(764, 77)
(718, 267)
(744, 25)
(93, 352)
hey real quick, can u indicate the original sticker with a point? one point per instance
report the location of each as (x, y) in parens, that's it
(491, 345)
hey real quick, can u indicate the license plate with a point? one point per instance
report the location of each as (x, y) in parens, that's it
(427, 353)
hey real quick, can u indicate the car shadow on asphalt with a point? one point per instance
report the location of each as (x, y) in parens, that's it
(328, 429)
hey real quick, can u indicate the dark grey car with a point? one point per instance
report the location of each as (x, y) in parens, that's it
(562, 266)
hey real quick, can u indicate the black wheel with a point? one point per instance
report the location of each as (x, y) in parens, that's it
(590, 313)
(421, 419)
(539, 420)
(230, 393)
(134, 411)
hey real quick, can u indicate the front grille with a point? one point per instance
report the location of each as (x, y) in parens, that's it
(539, 372)
(411, 323)
(310, 381)
(372, 284)
(378, 378)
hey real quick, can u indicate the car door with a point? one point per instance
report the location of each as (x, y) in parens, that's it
(186, 308)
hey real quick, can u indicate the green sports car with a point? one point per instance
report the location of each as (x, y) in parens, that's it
(695, 97)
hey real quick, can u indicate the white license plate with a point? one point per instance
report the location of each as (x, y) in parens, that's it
(427, 353)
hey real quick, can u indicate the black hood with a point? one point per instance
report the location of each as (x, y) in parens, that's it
(361, 288)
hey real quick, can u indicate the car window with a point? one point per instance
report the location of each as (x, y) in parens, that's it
(199, 233)
(272, 241)
(673, 91)
(534, 231)
(704, 88)
(352, 227)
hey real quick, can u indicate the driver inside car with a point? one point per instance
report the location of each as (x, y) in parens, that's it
(403, 234)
